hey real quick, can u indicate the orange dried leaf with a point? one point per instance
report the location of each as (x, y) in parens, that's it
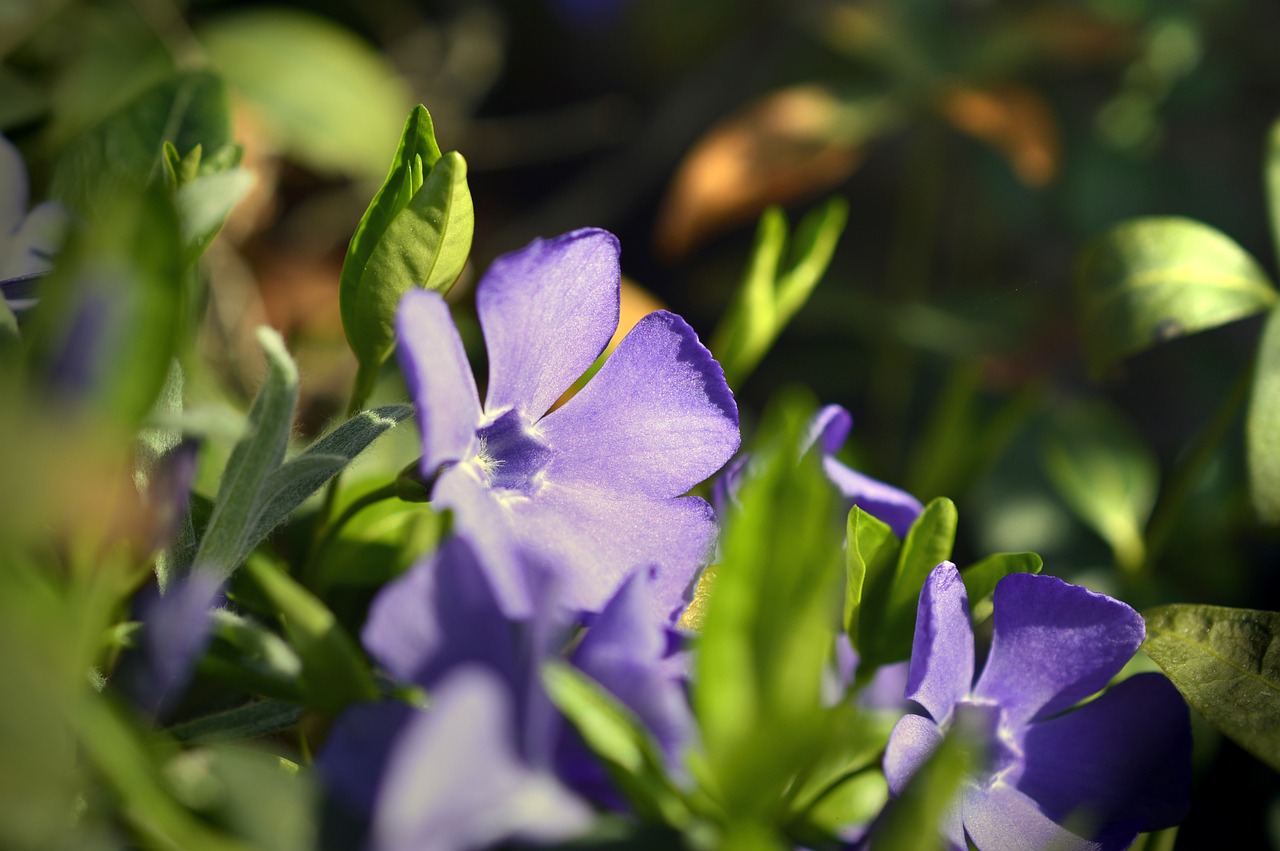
(1015, 121)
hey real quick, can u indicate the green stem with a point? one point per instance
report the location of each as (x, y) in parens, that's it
(1190, 469)
(327, 532)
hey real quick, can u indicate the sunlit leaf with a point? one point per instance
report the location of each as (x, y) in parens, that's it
(912, 821)
(1262, 426)
(1106, 475)
(204, 204)
(330, 99)
(871, 554)
(790, 144)
(980, 579)
(1226, 663)
(1150, 280)
(927, 545)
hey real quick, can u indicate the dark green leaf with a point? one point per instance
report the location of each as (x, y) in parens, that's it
(255, 457)
(1226, 663)
(980, 580)
(334, 672)
(1262, 425)
(125, 151)
(248, 656)
(250, 721)
(1271, 177)
(620, 740)
(330, 100)
(1151, 280)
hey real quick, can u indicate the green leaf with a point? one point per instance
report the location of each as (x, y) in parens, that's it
(980, 580)
(928, 544)
(250, 721)
(1262, 425)
(619, 740)
(1226, 663)
(204, 204)
(774, 288)
(871, 554)
(334, 671)
(247, 656)
(855, 800)
(255, 457)
(1105, 474)
(769, 627)
(912, 821)
(331, 100)
(416, 232)
(125, 151)
(1153, 279)
(1271, 178)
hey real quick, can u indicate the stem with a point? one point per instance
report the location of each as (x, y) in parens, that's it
(327, 532)
(1190, 469)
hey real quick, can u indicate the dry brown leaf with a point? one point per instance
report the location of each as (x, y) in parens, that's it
(780, 148)
(1013, 119)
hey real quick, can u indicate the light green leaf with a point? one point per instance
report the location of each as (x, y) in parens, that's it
(204, 204)
(620, 741)
(871, 554)
(1226, 663)
(334, 671)
(125, 150)
(856, 800)
(248, 656)
(1153, 279)
(416, 232)
(913, 820)
(1271, 178)
(330, 99)
(980, 580)
(254, 459)
(1262, 425)
(777, 284)
(1106, 475)
(928, 544)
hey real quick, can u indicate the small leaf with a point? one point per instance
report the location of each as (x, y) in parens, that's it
(253, 460)
(913, 820)
(1226, 663)
(928, 544)
(204, 204)
(871, 554)
(619, 740)
(250, 721)
(1271, 178)
(334, 672)
(1262, 425)
(246, 655)
(980, 579)
(1103, 471)
(1153, 279)
(1013, 119)
(331, 100)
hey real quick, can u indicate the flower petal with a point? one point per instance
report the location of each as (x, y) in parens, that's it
(439, 615)
(13, 189)
(1001, 817)
(31, 248)
(829, 429)
(892, 506)
(657, 418)
(1123, 760)
(435, 368)
(1053, 645)
(354, 758)
(941, 672)
(912, 742)
(547, 310)
(455, 781)
(595, 538)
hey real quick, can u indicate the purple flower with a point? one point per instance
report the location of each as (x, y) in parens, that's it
(28, 240)
(593, 487)
(828, 430)
(1109, 769)
(508, 765)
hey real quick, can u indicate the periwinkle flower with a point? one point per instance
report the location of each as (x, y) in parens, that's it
(28, 239)
(1048, 775)
(594, 487)
(490, 758)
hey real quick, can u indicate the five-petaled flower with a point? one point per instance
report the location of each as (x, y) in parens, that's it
(593, 488)
(1093, 777)
(27, 239)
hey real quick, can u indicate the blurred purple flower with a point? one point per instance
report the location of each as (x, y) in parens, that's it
(28, 240)
(440, 627)
(593, 487)
(828, 430)
(1111, 768)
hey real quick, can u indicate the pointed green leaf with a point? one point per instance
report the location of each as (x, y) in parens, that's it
(1226, 663)
(871, 555)
(204, 204)
(250, 721)
(1151, 280)
(1262, 425)
(980, 580)
(247, 656)
(619, 740)
(254, 459)
(1106, 475)
(335, 673)
(928, 544)
(1271, 178)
